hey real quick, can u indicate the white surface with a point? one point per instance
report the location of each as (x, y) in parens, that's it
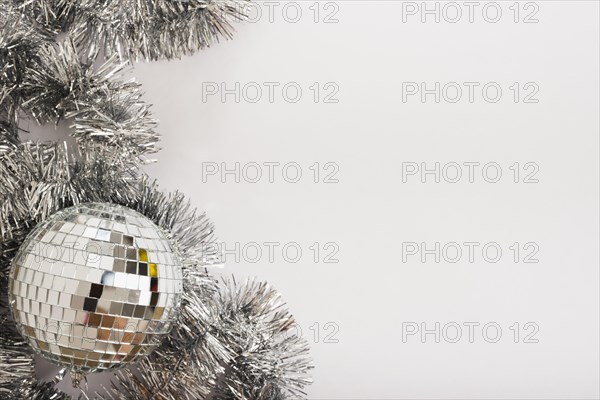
(369, 133)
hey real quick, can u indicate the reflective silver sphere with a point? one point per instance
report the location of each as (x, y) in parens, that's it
(96, 286)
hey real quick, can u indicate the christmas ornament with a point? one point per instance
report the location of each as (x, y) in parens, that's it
(95, 286)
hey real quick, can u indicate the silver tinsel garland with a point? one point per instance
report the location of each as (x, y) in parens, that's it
(106, 110)
(20, 40)
(131, 29)
(233, 340)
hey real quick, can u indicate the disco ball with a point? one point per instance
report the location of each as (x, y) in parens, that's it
(96, 286)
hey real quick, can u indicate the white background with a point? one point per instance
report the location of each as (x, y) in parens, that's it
(370, 294)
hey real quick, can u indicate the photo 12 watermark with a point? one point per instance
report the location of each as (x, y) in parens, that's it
(291, 12)
(488, 92)
(270, 172)
(469, 252)
(470, 172)
(455, 12)
(470, 332)
(317, 332)
(289, 92)
(273, 252)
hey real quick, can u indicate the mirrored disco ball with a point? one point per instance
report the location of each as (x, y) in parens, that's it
(95, 287)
